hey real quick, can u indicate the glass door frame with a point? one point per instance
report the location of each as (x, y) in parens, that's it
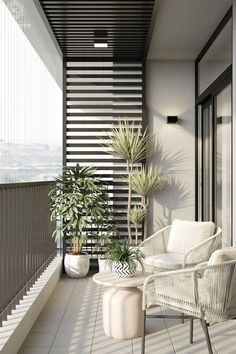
(206, 105)
(209, 97)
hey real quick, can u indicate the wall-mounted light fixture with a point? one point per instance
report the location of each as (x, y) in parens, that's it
(100, 39)
(172, 119)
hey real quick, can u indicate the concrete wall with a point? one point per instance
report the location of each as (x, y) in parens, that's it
(170, 91)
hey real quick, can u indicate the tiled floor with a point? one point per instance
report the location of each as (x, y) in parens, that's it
(71, 323)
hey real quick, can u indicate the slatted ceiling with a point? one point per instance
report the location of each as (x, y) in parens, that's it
(93, 108)
(125, 21)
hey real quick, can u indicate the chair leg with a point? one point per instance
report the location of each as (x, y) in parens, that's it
(205, 329)
(182, 317)
(143, 333)
(191, 331)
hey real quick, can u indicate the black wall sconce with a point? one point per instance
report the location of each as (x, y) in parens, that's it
(172, 119)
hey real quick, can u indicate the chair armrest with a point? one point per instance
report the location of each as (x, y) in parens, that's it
(156, 243)
(204, 287)
(203, 250)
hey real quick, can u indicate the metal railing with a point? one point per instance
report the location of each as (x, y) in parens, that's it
(26, 245)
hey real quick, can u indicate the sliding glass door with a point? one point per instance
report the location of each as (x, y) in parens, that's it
(222, 104)
(214, 161)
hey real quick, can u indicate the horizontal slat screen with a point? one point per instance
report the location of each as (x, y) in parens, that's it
(99, 96)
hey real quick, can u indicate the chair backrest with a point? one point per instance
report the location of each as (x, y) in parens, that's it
(185, 235)
(223, 255)
(217, 286)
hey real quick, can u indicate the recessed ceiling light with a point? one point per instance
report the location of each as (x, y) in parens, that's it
(100, 45)
(100, 39)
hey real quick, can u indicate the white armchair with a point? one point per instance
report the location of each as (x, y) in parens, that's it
(206, 292)
(183, 244)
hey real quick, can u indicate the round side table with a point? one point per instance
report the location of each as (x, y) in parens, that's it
(122, 304)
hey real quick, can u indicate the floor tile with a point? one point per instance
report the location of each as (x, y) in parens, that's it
(45, 326)
(77, 325)
(105, 345)
(34, 350)
(223, 337)
(38, 340)
(80, 314)
(51, 315)
(56, 305)
(179, 334)
(77, 335)
(72, 349)
(158, 342)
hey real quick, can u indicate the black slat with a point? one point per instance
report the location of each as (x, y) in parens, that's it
(122, 19)
(84, 131)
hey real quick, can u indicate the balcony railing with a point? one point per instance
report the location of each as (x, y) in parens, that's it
(26, 245)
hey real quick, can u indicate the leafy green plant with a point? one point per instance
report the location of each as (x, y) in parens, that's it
(136, 216)
(132, 145)
(121, 251)
(145, 182)
(80, 203)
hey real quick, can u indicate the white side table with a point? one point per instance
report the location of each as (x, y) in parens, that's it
(122, 304)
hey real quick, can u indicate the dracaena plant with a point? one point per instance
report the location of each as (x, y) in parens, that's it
(79, 203)
(137, 215)
(133, 145)
(145, 182)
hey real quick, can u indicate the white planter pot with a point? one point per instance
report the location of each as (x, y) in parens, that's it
(104, 266)
(123, 270)
(77, 266)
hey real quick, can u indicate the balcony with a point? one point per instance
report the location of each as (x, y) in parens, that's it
(71, 71)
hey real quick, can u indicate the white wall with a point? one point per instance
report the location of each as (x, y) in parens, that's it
(170, 91)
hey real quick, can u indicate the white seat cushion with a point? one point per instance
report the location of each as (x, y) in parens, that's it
(165, 261)
(185, 235)
(223, 255)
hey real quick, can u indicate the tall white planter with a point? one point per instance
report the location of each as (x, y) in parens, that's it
(104, 266)
(77, 266)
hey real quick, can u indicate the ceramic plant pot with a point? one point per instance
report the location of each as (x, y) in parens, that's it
(104, 266)
(123, 270)
(76, 266)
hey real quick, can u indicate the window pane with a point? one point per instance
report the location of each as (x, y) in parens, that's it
(223, 163)
(30, 96)
(217, 59)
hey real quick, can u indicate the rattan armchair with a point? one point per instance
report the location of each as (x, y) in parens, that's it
(164, 251)
(205, 292)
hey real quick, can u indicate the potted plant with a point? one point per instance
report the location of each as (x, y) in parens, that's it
(124, 258)
(79, 203)
(134, 145)
(103, 243)
(103, 265)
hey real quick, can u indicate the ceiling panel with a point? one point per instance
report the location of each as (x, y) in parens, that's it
(182, 27)
(75, 22)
